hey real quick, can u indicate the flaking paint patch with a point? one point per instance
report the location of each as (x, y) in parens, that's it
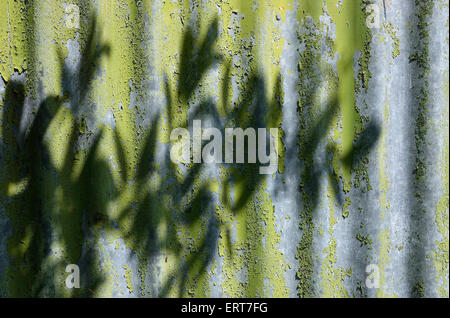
(332, 277)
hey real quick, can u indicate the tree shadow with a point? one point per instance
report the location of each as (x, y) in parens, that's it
(315, 121)
(147, 211)
(86, 194)
(419, 146)
(27, 160)
(191, 195)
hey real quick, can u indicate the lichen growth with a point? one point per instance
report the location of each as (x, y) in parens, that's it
(364, 240)
(128, 275)
(345, 207)
(389, 27)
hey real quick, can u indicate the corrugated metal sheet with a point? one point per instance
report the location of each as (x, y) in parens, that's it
(90, 92)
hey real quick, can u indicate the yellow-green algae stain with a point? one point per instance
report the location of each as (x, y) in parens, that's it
(254, 256)
(128, 275)
(307, 109)
(27, 244)
(332, 278)
(14, 24)
(341, 114)
(389, 27)
(246, 266)
(383, 179)
(70, 166)
(440, 255)
(345, 207)
(383, 261)
(351, 34)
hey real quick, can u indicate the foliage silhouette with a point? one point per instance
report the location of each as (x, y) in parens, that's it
(84, 201)
(86, 195)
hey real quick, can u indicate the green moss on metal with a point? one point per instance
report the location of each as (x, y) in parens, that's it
(396, 41)
(345, 207)
(421, 57)
(352, 35)
(364, 73)
(128, 275)
(418, 289)
(309, 78)
(364, 240)
(332, 276)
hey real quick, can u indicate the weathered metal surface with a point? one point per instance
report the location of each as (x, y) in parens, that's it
(86, 176)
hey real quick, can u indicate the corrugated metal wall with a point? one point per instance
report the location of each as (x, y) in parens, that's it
(358, 90)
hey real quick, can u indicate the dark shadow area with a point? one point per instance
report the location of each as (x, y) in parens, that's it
(148, 211)
(419, 160)
(192, 200)
(314, 126)
(27, 158)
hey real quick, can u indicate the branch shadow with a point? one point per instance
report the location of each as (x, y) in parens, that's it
(28, 158)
